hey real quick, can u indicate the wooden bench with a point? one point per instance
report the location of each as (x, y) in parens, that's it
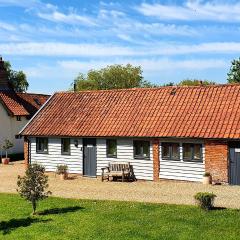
(116, 169)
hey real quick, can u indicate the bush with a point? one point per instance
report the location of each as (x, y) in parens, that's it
(62, 169)
(205, 200)
(207, 174)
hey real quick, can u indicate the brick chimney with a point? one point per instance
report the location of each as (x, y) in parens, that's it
(4, 84)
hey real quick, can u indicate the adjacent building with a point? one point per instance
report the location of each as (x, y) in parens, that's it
(165, 133)
(16, 109)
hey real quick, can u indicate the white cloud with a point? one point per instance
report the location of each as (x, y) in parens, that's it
(7, 26)
(148, 65)
(70, 18)
(108, 50)
(63, 49)
(193, 10)
(19, 3)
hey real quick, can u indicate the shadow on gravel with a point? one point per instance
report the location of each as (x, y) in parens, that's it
(7, 226)
(60, 210)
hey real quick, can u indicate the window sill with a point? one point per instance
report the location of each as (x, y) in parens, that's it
(111, 156)
(191, 160)
(66, 154)
(144, 158)
(169, 159)
(41, 152)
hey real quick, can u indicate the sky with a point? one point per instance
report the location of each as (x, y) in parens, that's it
(52, 41)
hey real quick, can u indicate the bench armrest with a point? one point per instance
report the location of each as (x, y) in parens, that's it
(105, 168)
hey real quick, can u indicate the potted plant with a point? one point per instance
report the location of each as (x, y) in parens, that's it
(62, 170)
(207, 178)
(6, 146)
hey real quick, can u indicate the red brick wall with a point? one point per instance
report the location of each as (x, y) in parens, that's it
(156, 163)
(216, 160)
(26, 157)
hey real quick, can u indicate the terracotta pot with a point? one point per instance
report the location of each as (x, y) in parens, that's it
(63, 176)
(207, 180)
(5, 161)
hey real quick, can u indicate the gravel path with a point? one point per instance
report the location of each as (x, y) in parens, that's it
(143, 191)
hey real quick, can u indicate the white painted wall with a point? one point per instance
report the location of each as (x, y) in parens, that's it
(9, 127)
(54, 157)
(143, 169)
(181, 170)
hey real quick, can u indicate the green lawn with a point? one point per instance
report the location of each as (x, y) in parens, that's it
(83, 219)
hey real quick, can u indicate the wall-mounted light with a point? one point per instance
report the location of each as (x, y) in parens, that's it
(76, 143)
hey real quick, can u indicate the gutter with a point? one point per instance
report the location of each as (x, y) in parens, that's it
(40, 109)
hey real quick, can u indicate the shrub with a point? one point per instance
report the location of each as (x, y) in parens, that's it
(205, 200)
(33, 185)
(62, 169)
(207, 174)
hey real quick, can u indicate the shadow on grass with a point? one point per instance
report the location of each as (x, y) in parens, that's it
(60, 210)
(218, 208)
(8, 226)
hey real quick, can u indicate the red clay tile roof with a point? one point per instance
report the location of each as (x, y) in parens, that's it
(22, 104)
(194, 112)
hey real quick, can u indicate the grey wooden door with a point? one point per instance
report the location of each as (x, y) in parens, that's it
(234, 157)
(89, 157)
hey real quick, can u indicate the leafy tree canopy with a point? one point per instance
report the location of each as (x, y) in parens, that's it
(195, 82)
(112, 77)
(18, 79)
(234, 73)
(168, 84)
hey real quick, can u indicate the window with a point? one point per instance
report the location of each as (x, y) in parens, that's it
(170, 151)
(19, 118)
(65, 146)
(42, 145)
(192, 152)
(141, 149)
(111, 148)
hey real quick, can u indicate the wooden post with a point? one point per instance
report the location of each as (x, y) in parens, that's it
(156, 162)
(26, 152)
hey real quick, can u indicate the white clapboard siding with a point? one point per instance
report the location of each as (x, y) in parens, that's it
(143, 168)
(181, 170)
(54, 157)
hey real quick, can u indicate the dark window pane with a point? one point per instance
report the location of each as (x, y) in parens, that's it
(192, 152)
(111, 147)
(165, 150)
(137, 148)
(187, 151)
(145, 146)
(175, 151)
(65, 145)
(42, 145)
(197, 151)
(141, 149)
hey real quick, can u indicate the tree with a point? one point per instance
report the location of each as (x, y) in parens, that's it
(17, 79)
(234, 73)
(112, 77)
(195, 82)
(6, 146)
(33, 185)
(168, 84)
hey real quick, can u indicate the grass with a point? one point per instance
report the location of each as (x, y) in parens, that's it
(87, 219)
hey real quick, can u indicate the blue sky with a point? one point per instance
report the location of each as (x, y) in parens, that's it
(171, 40)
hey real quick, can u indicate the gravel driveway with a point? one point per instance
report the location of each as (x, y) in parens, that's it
(143, 191)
